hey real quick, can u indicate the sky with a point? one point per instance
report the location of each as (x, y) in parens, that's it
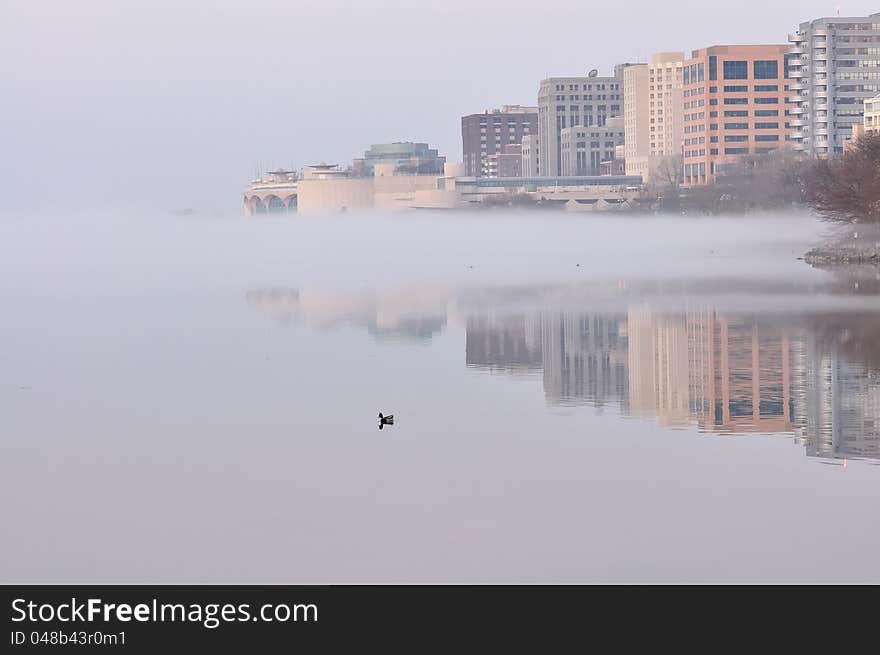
(170, 105)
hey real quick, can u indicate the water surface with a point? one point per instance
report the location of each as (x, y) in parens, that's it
(194, 399)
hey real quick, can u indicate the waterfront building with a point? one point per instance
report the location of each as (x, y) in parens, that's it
(565, 102)
(326, 186)
(406, 157)
(733, 105)
(275, 192)
(572, 193)
(530, 153)
(871, 124)
(506, 163)
(835, 68)
(583, 149)
(487, 134)
(652, 110)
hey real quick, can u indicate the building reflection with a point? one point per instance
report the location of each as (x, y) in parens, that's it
(582, 356)
(726, 371)
(414, 316)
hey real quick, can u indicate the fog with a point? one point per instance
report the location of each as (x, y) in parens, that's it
(170, 105)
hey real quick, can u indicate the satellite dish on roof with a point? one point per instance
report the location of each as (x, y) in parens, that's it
(593, 73)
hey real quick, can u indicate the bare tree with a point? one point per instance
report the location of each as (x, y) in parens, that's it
(847, 189)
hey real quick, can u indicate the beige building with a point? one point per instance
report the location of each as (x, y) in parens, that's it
(584, 149)
(565, 102)
(326, 187)
(652, 103)
(530, 156)
(871, 123)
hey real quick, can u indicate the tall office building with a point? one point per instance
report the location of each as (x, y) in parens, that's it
(733, 104)
(835, 67)
(489, 133)
(571, 101)
(652, 110)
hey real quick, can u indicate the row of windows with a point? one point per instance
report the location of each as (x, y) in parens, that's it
(743, 88)
(598, 96)
(694, 73)
(745, 101)
(587, 108)
(691, 170)
(588, 87)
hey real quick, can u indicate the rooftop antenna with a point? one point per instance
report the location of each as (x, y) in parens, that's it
(837, 9)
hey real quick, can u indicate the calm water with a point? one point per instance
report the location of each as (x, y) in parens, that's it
(194, 399)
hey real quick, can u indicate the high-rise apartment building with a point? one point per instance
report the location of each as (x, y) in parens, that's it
(571, 101)
(835, 67)
(652, 110)
(733, 104)
(487, 134)
(584, 149)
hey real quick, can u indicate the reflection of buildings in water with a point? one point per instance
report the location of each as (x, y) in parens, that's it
(504, 343)
(841, 403)
(725, 372)
(582, 356)
(740, 373)
(658, 366)
(395, 315)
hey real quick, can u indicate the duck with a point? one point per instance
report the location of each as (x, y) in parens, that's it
(385, 420)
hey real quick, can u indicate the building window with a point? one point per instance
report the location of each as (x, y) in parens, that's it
(734, 138)
(766, 88)
(766, 112)
(713, 67)
(736, 89)
(736, 151)
(766, 137)
(766, 126)
(766, 70)
(766, 101)
(736, 70)
(738, 113)
(736, 126)
(740, 101)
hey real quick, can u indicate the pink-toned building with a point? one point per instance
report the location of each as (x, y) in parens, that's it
(734, 105)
